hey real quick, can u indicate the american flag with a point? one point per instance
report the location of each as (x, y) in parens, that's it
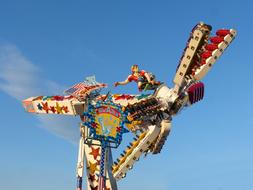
(76, 89)
(82, 89)
(101, 182)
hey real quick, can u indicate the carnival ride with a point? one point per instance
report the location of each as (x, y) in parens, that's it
(147, 116)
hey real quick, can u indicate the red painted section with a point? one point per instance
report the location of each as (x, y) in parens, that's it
(211, 47)
(196, 92)
(124, 97)
(216, 39)
(206, 54)
(203, 62)
(222, 32)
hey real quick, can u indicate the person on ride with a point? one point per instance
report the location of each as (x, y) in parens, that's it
(142, 78)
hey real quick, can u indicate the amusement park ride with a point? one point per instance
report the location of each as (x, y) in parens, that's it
(105, 118)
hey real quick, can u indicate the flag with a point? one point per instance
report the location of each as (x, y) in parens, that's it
(101, 183)
(76, 89)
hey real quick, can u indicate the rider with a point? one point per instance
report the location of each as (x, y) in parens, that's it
(141, 77)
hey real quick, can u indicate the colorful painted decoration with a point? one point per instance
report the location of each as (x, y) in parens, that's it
(124, 97)
(39, 106)
(106, 121)
(58, 108)
(91, 177)
(45, 106)
(52, 109)
(95, 152)
(92, 167)
(65, 109)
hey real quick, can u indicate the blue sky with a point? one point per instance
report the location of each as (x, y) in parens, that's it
(46, 46)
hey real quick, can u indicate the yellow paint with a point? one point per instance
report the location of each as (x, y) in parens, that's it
(58, 108)
(109, 122)
(92, 167)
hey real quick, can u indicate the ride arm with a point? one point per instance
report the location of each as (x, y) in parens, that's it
(64, 105)
(200, 54)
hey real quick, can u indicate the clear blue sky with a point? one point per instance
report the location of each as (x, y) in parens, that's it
(46, 46)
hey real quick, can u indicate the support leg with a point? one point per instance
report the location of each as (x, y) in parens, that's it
(93, 161)
(80, 164)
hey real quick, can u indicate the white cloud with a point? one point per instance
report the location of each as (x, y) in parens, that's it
(17, 74)
(20, 78)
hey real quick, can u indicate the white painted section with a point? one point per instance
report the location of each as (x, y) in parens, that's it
(165, 95)
(188, 55)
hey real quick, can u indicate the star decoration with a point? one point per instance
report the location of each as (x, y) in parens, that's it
(91, 177)
(39, 106)
(95, 152)
(65, 109)
(92, 167)
(58, 108)
(94, 125)
(94, 188)
(45, 106)
(118, 129)
(52, 109)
